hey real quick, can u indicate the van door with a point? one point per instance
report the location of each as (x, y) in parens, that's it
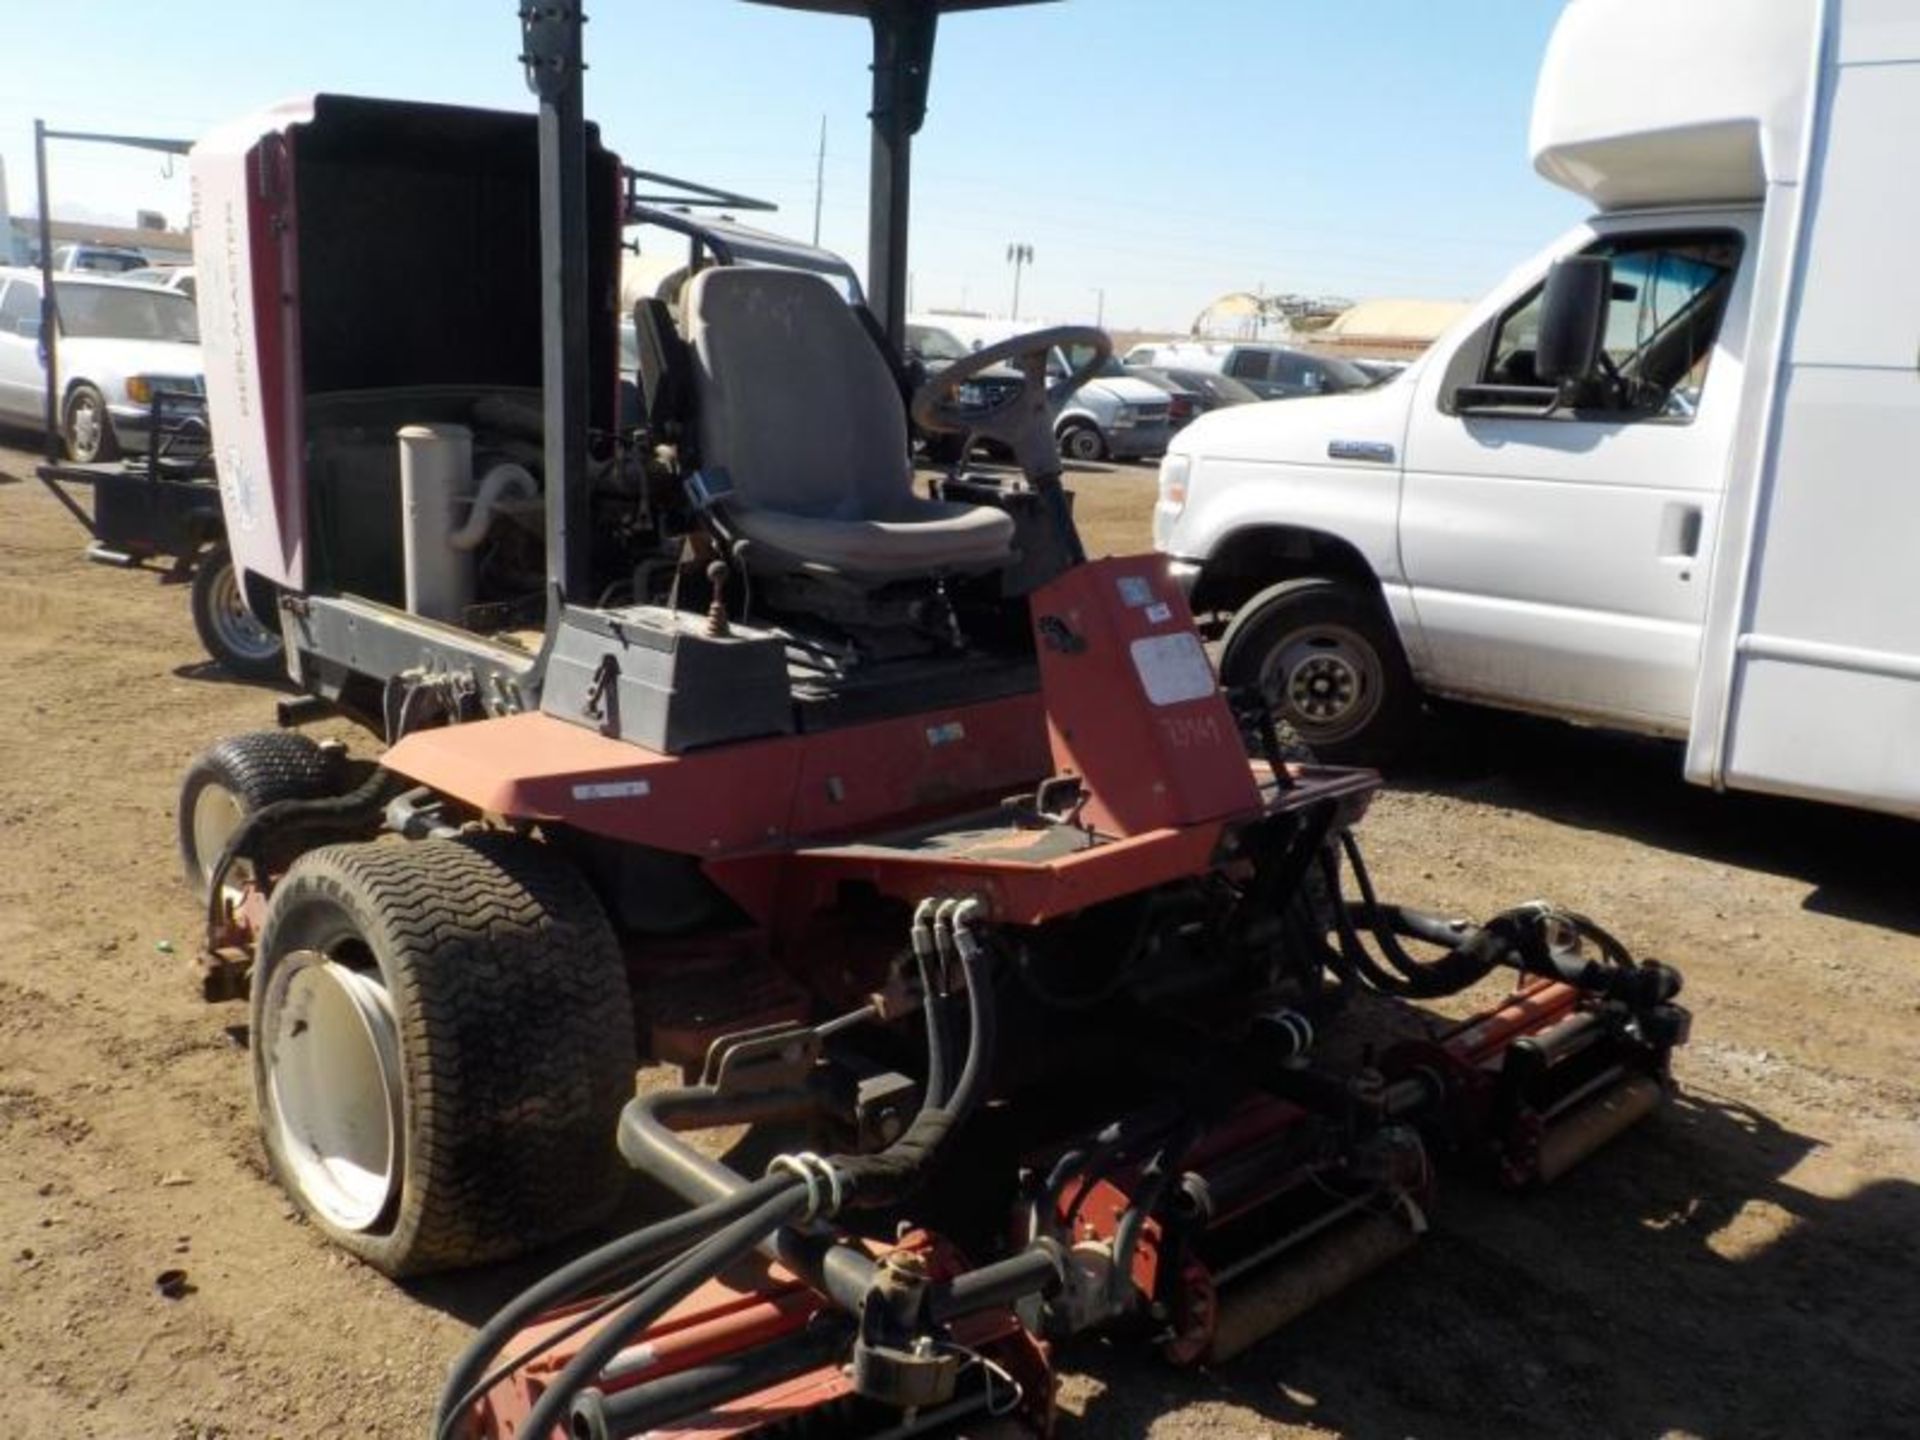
(1556, 555)
(1810, 681)
(22, 376)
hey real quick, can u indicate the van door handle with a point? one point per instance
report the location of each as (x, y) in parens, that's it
(1680, 527)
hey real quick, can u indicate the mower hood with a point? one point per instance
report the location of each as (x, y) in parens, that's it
(359, 246)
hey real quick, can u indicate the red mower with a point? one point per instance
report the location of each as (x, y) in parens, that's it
(1047, 977)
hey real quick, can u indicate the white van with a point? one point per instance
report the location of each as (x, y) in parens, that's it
(1667, 476)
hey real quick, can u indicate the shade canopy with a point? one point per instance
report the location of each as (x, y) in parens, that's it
(871, 7)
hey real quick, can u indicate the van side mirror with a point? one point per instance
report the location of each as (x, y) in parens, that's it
(1573, 320)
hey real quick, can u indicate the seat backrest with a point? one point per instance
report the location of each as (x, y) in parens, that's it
(795, 401)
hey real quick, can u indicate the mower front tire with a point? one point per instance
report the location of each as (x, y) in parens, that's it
(235, 777)
(442, 1043)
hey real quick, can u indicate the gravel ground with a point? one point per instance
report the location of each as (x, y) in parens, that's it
(1743, 1265)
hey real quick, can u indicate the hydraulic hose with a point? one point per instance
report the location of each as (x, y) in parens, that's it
(737, 1215)
(340, 813)
(673, 1284)
(932, 1002)
(466, 1382)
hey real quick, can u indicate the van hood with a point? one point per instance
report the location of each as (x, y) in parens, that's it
(1298, 431)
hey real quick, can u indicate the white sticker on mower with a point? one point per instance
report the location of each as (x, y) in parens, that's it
(1159, 614)
(612, 790)
(1173, 668)
(947, 734)
(1135, 590)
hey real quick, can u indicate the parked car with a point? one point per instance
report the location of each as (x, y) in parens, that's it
(166, 277)
(1114, 416)
(1275, 372)
(118, 344)
(98, 259)
(930, 349)
(1194, 392)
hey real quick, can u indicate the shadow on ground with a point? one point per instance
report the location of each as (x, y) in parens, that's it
(1676, 1284)
(1859, 864)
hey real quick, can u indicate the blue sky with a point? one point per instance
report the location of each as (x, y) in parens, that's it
(1163, 152)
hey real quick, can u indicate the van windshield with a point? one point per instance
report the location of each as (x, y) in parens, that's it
(114, 312)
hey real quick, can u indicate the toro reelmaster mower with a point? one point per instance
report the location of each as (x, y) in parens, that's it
(929, 849)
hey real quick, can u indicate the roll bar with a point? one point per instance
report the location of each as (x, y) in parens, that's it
(903, 35)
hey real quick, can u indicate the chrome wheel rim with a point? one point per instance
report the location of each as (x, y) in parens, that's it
(1326, 681)
(85, 426)
(334, 1088)
(217, 813)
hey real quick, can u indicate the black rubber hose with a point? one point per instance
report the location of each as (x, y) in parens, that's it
(674, 1283)
(1416, 980)
(467, 1381)
(326, 812)
(930, 1003)
(1463, 965)
(982, 1021)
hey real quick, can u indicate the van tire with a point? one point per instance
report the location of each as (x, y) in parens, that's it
(1324, 655)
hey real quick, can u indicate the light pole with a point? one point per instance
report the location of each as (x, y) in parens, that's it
(1099, 307)
(1019, 255)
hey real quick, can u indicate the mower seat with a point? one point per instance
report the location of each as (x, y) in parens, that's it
(801, 424)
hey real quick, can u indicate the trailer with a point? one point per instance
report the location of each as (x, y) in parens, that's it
(157, 503)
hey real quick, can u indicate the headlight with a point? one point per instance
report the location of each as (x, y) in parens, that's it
(140, 388)
(1173, 480)
(1124, 416)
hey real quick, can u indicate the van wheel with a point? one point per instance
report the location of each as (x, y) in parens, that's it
(237, 642)
(1081, 441)
(88, 428)
(442, 1042)
(1324, 656)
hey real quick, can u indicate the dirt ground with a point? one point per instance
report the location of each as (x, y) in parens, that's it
(1742, 1266)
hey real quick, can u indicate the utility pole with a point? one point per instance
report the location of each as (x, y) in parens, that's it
(1100, 307)
(819, 180)
(1019, 255)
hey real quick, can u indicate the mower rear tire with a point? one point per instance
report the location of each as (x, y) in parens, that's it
(1325, 657)
(442, 1042)
(235, 777)
(236, 641)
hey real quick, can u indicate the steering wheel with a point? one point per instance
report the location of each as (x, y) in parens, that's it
(1022, 421)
